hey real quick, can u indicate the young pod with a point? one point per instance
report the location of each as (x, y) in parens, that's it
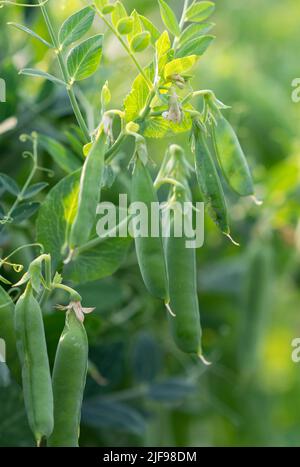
(232, 159)
(69, 377)
(181, 261)
(89, 193)
(149, 248)
(36, 378)
(7, 333)
(209, 182)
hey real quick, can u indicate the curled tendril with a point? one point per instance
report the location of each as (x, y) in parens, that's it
(30, 245)
(50, 172)
(26, 5)
(27, 154)
(16, 267)
(6, 220)
(24, 137)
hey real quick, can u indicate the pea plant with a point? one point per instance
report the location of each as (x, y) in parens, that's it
(160, 103)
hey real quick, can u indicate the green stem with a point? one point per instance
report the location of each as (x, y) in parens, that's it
(70, 91)
(110, 154)
(182, 21)
(131, 55)
(74, 295)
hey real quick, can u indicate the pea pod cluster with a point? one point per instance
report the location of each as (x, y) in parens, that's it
(89, 193)
(36, 378)
(150, 252)
(69, 376)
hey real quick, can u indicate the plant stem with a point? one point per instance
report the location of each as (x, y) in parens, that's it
(131, 55)
(74, 295)
(182, 21)
(70, 91)
(110, 154)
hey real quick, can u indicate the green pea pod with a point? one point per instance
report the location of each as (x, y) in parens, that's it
(150, 252)
(69, 376)
(89, 193)
(255, 305)
(32, 350)
(181, 261)
(7, 333)
(209, 182)
(232, 158)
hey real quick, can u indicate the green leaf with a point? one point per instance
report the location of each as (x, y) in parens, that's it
(149, 26)
(33, 190)
(115, 415)
(31, 33)
(9, 184)
(35, 272)
(158, 127)
(100, 4)
(60, 206)
(136, 100)
(179, 66)
(195, 46)
(200, 11)
(41, 74)
(140, 42)
(172, 391)
(163, 47)
(76, 26)
(24, 211)
(66, 160)
(118, 13)
(193, 31)
(169, 18)
(84, 59)
(137, 26)
(98, 262)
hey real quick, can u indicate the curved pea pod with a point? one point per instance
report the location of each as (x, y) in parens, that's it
(256, 291)
(232, 159)
(36, 378)
(69, 377)
(210, 183)
(89, 193)
(7, 333)
(181, 261)
(149, 249)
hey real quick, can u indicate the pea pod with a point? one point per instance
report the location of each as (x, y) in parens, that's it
(232, 158)
(89, 193)
(150, 252)
(7, 333)
(36, 378)
(69, 376)
(181, 261)
(209, 182)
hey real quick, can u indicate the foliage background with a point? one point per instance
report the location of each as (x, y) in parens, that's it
(153, 394)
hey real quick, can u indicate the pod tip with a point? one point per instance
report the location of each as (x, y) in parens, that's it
(170, 310)
(256, 201)
(204, 361)
(231, 239)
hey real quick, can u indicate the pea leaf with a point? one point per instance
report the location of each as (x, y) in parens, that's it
(66, 160)
(179, 66)
(195, 46)
(98, 262)
(172, 391)
(118, 13)
(33, 190)
(41, 74)
(169, 18)
(76, 26)
(60, 206)
(84, 59)
(149, 26)
(24, 211)
(158, 127)
(9, 184)
(137, 98)
(163, 47)
(194, 30)
(200, 11)
(31, 33)
(115, 415)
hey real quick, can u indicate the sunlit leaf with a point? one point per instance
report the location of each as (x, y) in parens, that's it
(200, 11)
(84, 59)
(195, 46)
(150, 27)
(41, 74)
(118, 13)
(31, 33)
(193, 31)
(180, 65)
(76, 26)
(169, 18)
(137, 26)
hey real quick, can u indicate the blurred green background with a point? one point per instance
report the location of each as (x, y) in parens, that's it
(152, 395)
